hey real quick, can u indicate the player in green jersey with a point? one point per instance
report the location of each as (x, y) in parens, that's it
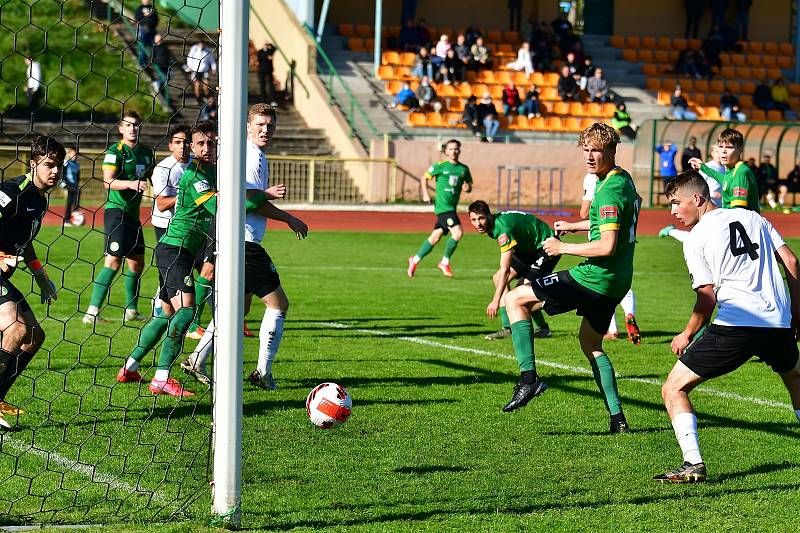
(187, 234)
(450, 176)
(520, 236)
(739, 185)
(595, 287)
(127, 165)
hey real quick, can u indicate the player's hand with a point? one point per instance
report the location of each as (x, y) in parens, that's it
(552, 246)
(8, 262)
(139, 186)
(695, 162)
(298, 227)
(680, 342)
(491, 309)
(276, 191)
(562, 227)
(48, 288)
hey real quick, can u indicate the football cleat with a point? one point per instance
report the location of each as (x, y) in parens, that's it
(501, 334)
(196, 333)
(446, 270)
(94, 319)
(619, 425)
(128, 376)
(633, 329)
(412, 267)
(4, 425)
(132, 315)
(542, 333)
(198, 373)
(665, 231)
(8, 409)
(263, 382)
(170, 386)
(247, 331)
(523, 393)
(687, 473)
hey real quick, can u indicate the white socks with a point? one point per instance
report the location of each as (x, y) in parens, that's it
(612, 326)
(416, 259)
(679, 234)
(270, 336)
(628, 303)
(445, 261)
(204, 348)
(685, 426)
(132, 364)
(161, 375)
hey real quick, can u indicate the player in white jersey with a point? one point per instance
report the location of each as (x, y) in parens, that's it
(714, 189)
(628, 302)
(733, 257)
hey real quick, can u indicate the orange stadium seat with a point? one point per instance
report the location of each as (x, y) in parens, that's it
(502, 77)
(496, 91)
(346, 30)
(585, 123)
(699, 98)
(758, 115)
(576, 109)
(785, 62)
(754, 47)
(486, 76)
(633, 42)
(794, 88)
(454, 120)
(773, 115)
(551, 79)
(794, 102)
(669, 84)
(713, 99)
(494, 36)
(356, 44)
(607, 109)
(711, 113)
(786, 49)
(547, 107)
(664, 43)
(455, 104)
(390, 57)
(435, 120)
(561, 108)
(511, 37)
(771, 48)
(661, 56)
(554, 124)
(774, 73)
(754, 60)
(717, 86)
(725, 58)
(727, 72)
(537, 79)
(363, 30)
(746, 101)
(617, 41)
(520, 122)
(369, 44)
(416, 119)
(549, 93)
(734, 86)
(679, 43)
(592, 109)
(768, 61)
(394, 86)
(629, 54)
(572, 124)
(479, 89)
(464, 90)
(392, 31)
(645, 55)
(649, 69)
(694, 44)
(386, 72)
(506, 49)
(407, 59)
(738, 60)
(648, 43)
(748, 87)
(403, 73)
(687, 84)
(701, 86)
(673, 56)
(446, 91)
(758, 73)
(537, 123)
(744, 72)
(652, 84)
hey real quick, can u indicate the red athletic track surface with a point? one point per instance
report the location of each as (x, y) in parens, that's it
(650, 220)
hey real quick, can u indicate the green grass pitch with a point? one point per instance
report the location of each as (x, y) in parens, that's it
(427, 447)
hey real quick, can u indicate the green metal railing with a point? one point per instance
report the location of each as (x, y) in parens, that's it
(357, 119)
(289, 62)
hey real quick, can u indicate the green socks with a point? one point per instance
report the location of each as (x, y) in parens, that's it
(102, 284)
(450, 247)
(538, 320)
(522, 337)
(149, 336)
(425, 249)
(201, 290)
(178, 326)
(132, 288)
(606, 381)
(504, 318)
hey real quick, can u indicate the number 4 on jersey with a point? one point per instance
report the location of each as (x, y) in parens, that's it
(748, 247)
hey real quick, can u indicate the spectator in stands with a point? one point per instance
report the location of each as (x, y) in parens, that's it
(209, 110)
(679, 106)
(487, 114)
(442, 47)
(266, 84)
(472, 33)
(406, 97)
(586, 71)
(574, 67)
(423, 34)
(767, 179)
(561, 25)
(621, 121)
(532, 106)
(426, 95)
(743, 18)
(33, 72)
(597, 87)
(751, 162)
(514, 14)
(762, 97)
(701, 65)
(422, 65)
(471, 115)
(780, 95)
(790, 185)
(694, 12)
(567, 87)
(524, 61)
(450, 71)
(689, 152)
(511, 99)
(712, 47)
(199, 62)
(409, 36)
(462, 51)
(542, 55)
(480, 55)
(729, 107)
(147, 21)
(162, 59)
(577, 49)
(666, 155)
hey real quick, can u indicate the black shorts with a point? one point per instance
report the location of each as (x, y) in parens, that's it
(723, 349)
(532, 265)
(124, 237)
(561, 293)
(446, 221)
(9, 293)
(175, 271)
(790, 185)
(159, 232)
(207, 254)
(260, 275)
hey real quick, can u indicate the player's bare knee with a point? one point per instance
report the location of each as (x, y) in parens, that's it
(113, 261)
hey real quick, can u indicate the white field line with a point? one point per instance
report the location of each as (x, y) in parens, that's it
(539, 361)
(80, 468)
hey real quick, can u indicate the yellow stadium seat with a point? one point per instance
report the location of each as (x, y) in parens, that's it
(649, 43)
(520, 122)
(554, 124)
(701, 86)
(537, 123)
(679, 43)
(755, 47)
(664, 43)
(629, 54)
(576, 109)
(633, 42)
(773, 115)
(346, 30)
(645, 55)
(386, 72)
(771, 48)
(652, 84)
(768, 61)
(561, 108)
(572, 124)
(363, 30)
(617, 41)
(758, 115)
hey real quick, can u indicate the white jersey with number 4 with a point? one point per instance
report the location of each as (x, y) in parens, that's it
(256, 178)
(734, 250)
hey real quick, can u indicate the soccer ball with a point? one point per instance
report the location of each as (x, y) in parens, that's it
(77, 218)
(328, 405)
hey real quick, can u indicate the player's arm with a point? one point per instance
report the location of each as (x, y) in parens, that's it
(110, 181)
(46, 286)
(268, 210)
(501, 282)
(602, 247)
(791, 269)
(468, 181)
(275, 192)
(701, 314)
(165, 203)
(423, 184)
(705, 169)
(562, 226)
(585, 205)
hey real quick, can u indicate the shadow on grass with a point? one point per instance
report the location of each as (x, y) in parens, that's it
(362, 319)
(258, 407)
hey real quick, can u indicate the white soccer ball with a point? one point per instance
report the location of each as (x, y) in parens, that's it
(77, 218)
(328, 405)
